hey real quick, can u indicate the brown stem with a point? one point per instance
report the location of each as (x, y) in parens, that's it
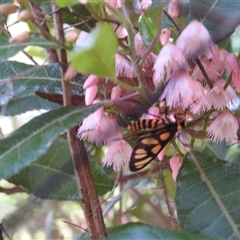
(58, 27)
(39, 17)
(89, 199)
(204, 72)
(175, 25)
(9, 191)
(88, 195)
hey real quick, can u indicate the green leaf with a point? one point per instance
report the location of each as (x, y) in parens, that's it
(145, 231)
(14, 95)
(52, 175)
(69, 15)
(6, 1)
(97, 54)
(67, 3)
(71, 19)
(148, 32)
(218, 150)
(8, 50)
(233, 154)
(32, 140)
(208, 204)
(20, 105)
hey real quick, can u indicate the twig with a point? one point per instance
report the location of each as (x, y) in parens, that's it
(204, 72)
(119, 218)
(75, 225)
(170, 210)
(39, 19)
(175, 25)
(2, 230)
(89, 199)
(13, 190)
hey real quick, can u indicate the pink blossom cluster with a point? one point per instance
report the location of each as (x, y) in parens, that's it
(197, 75)
(102, 128)
(187, 87)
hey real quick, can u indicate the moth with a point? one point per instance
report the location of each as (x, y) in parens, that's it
(153, 136)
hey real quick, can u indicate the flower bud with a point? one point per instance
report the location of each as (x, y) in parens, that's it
(71, 36)
(153, 112)
(161, 154)
(116, 92)
(90, 81)
(22, 37)
(25, 15)
(8, 8)
(90, 94)
(165, 35)
(233, 62)
(84, 2)
(98, 113)
(175, 165)
(174, 8)
(70, 73)
(121, 32)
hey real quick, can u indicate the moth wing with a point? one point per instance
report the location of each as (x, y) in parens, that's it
(149, 144)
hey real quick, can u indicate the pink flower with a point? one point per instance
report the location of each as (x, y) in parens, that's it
(200, 101)
(180, 90)
(222, 63)
(220, 97)
(145, 4)
(92, 121)
(195, 41)
(232, 60)
(223, 127)
(123, 67)
(174, 8)
(215, 53)
(175, 165)
(114, 4)
(210, 69)
(169, 60)
(118, 154)
(141, 49)
(236, 80)
(102, 131)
